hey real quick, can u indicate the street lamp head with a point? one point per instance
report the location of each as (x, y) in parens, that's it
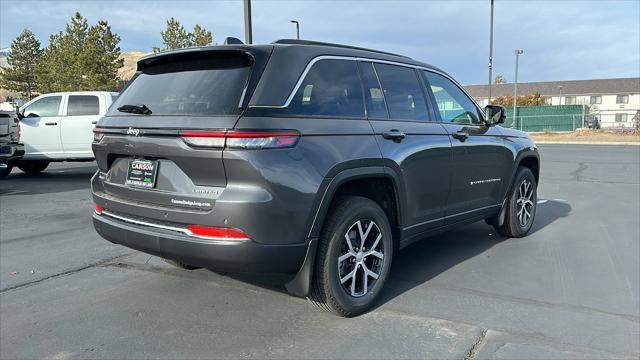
(294, 21)
(519, 51)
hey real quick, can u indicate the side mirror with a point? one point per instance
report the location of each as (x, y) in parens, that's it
(494, 115)
(19, 115)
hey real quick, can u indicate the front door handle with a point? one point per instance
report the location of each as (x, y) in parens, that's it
(394, 135)
(461, 135)
(51, 123)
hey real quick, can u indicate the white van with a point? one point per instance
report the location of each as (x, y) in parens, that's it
(59, 127)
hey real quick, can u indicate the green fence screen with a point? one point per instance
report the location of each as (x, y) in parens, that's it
(547, 118)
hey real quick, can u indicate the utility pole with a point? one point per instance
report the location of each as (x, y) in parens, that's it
(490, 53)
(297, 28)
(515, 89)
(248, 37)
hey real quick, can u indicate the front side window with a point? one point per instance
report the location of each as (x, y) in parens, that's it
(570, 100)
(83, 105)
(373, 96)
(453, 104)
(596, 100)
(330, 88)
(405, 98)
(45, 107)
(196, 86)
(622, 99)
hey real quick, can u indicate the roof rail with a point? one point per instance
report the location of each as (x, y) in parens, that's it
(319, 43)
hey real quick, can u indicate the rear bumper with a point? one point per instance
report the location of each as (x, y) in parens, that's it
(241, 256)
(11, 152)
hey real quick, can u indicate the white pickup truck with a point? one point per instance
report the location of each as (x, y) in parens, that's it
(59, 127)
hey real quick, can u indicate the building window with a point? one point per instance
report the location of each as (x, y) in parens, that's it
(621, 117)
(622, 99)
(569, 100)
(596, 99)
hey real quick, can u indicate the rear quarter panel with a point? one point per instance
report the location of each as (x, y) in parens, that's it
(293, 179)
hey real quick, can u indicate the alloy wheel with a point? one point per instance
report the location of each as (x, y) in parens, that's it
(361, 258)
(525, 203)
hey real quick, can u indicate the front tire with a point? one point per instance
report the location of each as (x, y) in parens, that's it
(5, 171)
(354, 257)
(521, 205)
(33, 167)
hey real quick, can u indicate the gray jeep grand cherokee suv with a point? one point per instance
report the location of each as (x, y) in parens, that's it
(315, 160)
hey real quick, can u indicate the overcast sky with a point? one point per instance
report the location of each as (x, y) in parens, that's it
(562, 40)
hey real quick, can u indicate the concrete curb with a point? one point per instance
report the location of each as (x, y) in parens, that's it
(549, 142)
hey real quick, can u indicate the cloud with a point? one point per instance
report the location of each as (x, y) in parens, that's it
(561, 39)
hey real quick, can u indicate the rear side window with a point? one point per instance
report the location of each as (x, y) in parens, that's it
(376, 107)
(43, 107)
(405, 98)
(194, 86)
(330, 88)
(83, 105)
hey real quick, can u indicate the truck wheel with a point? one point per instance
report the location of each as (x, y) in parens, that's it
(5, 171)
(354, 257)
(521, 205)
(33, 166)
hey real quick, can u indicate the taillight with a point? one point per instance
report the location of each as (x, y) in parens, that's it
(98, 209)
(212, 139)
(216, 233)
(98, 134)
(240, 139)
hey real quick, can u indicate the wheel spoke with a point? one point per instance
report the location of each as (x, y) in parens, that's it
(363, 236)
(349, 275)
(346, 237)
(375, 243)
(353, 281)
(345, 256)
(368, 272)
(365, 280)
(377, 254)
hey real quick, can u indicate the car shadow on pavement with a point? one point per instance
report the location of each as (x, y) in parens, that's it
(422, 261)
(49, 181)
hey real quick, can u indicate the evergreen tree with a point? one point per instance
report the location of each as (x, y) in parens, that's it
(23, 61)
(81, 58)
(176, 37)
(200, 36)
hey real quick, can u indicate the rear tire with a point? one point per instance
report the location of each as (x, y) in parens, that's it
(521, 205)
(33, 166)
(349, 274)
(4, 172)
(181, 265)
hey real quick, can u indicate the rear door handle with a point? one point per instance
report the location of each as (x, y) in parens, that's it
(461, 135)
(51, 123)
(394, 135)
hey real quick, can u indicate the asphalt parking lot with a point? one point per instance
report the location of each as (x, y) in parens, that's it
(569, 290)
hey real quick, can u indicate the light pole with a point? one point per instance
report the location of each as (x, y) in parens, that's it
(248, 36)
(515, 89)
(297, 28)
(490, 53)
(560, 99)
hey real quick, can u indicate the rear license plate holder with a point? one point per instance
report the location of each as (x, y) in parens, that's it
(142, 173)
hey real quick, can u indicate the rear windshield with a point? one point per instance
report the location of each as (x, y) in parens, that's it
(200, 87)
